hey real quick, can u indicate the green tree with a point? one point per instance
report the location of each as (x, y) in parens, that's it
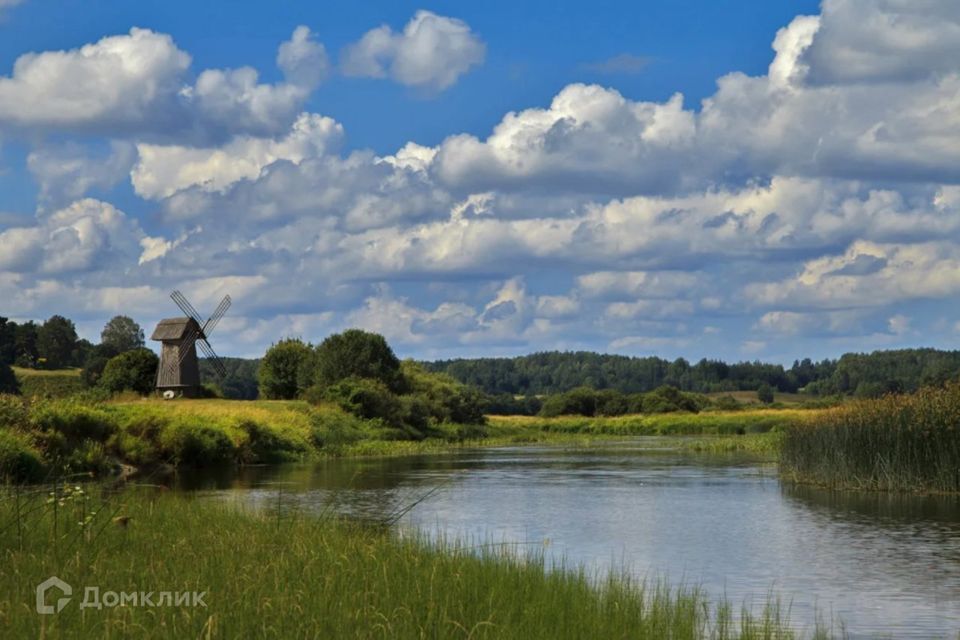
(8, 341)
(8, 380)
(131, 371)
(25, 341)
(356, 353)
(765, 394)
(56, 340)
(280, 369)
(121, 334)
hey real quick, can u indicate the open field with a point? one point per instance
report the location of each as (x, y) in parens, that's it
(282, 574)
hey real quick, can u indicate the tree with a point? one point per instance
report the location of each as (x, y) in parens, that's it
(131, 371)
(25, 345)
(56, 340)
(280, 369)
(8, 380)
(356, 353)
(121, 334)
(765, 394)
(8, 341)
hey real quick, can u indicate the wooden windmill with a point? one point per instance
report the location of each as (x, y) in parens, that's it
(179, 371)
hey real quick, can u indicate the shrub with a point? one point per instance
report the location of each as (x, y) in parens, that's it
(581, 401)
(190, 442)
(74, 421)
(765, 394)
(19, 460)
(667, 399)
(365, 398)
(266, 444)
(280, 373)
(445, 399)
(133, 370)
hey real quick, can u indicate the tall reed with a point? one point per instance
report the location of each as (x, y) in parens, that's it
(895, 443)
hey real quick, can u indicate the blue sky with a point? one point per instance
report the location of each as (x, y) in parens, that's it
(701, 179)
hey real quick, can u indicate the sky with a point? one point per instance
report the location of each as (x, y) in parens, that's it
(736, 180)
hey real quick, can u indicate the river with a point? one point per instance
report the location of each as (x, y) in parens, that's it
(880, 563)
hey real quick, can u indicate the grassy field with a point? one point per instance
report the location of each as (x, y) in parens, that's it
(52, 383)
(276, 573)
(896, 443)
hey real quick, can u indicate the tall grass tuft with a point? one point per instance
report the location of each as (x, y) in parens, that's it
(895, 443)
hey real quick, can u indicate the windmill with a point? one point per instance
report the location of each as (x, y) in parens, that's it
(179, 371)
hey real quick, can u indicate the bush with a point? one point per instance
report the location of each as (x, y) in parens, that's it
(365, 398)
(445, 399)
(19, 460)
(667, 399)
(280, 374)
(74, 421)
(267, 445)
(190, 442)
(765, 394)
(581, 401)
(133, 370)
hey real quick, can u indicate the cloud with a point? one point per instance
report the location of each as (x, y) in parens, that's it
(137, 85)
(885, 41)
(303, 60)
(67, 172)
(88, 235)
(623, 64)
(163, 170)
(431, 53)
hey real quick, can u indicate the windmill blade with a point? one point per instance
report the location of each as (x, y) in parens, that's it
(185, 306)
(221, 309)
(214, 359)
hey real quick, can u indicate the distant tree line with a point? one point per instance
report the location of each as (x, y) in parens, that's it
(865, 375)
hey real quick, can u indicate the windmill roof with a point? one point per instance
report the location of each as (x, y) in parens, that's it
(174, 328)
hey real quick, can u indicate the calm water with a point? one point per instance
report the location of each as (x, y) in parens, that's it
(883, 564)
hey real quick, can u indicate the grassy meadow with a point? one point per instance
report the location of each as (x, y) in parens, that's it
(278, 573)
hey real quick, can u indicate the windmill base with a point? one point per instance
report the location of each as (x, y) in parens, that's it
(168, 393)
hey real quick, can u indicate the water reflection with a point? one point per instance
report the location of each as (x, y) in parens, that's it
(883, 564)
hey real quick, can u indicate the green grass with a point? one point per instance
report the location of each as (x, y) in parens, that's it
(48, 383)
(896, 443)
(712, 423)
(271, 574)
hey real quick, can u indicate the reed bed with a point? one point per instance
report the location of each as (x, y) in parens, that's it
(895, 443)
(275, 572)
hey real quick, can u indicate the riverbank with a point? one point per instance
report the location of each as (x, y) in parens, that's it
(71, 436)
(280, 573)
